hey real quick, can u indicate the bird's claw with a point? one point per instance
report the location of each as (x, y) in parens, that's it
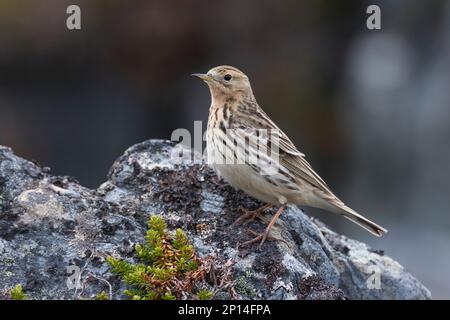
(248, 215)
(262, 237)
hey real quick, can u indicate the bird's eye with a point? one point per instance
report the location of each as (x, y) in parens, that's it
(227, 77)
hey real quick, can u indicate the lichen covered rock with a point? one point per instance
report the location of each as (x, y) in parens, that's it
(55, 235)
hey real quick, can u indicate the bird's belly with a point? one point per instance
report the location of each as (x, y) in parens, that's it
(243, 177)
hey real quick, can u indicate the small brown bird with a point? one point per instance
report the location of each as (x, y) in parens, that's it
(248, 150)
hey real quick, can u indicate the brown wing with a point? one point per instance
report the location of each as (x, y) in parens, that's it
(290, 158)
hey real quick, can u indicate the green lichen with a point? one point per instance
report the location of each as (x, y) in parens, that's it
(17, 293)
(169, 267)
(8, 274)
(244, 287)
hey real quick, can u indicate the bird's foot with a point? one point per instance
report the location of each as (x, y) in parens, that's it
(262, 237)
(249, 215)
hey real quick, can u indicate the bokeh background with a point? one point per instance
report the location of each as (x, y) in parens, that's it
(369, 108)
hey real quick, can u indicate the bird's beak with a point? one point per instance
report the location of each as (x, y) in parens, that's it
(204, 77)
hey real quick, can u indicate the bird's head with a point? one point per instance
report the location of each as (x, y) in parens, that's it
(226, 82)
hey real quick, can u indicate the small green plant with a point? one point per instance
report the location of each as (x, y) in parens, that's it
(17, 293)
(102, 296)
(169, 267)
(204, 294)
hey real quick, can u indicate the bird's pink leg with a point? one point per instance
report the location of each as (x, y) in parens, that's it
(263, 236)
(250, 215)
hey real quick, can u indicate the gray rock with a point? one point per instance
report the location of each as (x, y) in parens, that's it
(55, 234)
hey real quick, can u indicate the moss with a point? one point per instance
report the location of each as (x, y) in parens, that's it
(169, 267)
(204, 294)
(17, 293)
(102, 296)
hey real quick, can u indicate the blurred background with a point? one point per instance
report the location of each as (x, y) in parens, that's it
(370, 108)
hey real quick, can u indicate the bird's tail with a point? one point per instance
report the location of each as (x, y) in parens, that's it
(355, 217)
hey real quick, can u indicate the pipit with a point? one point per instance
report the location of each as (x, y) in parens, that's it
(248, 150)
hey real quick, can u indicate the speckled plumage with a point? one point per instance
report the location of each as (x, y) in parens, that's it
(235, 118)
